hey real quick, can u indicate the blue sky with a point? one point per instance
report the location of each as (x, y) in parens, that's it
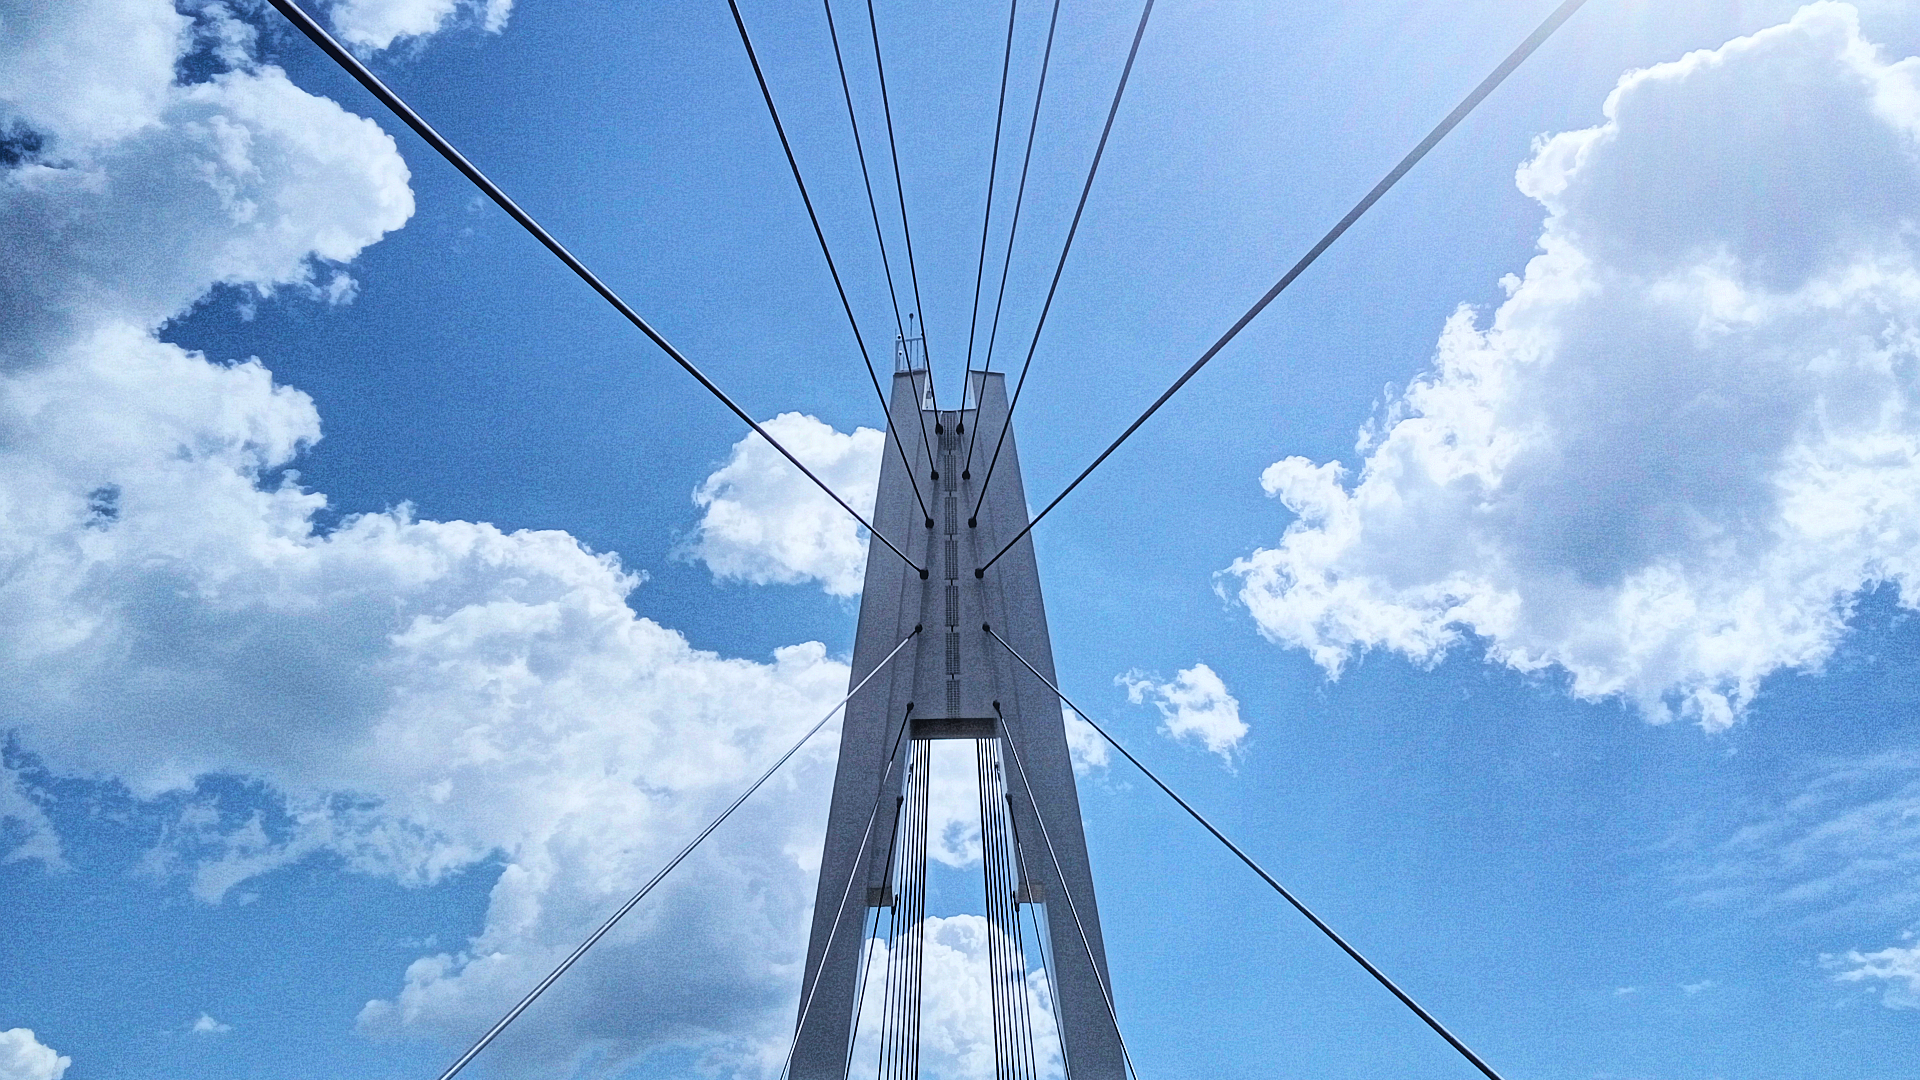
(379, 608)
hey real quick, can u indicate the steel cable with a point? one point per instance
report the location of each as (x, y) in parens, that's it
(993, 176)
(1013, 230)
(1133, 51)
(906, 230)
(365, 77)
(514, 1013)
(866, 177)
(860, 985)
(806, 1004)
(1545, 30)
(793, 165)
(873, 209)
(1073, 909)
(1380, 976)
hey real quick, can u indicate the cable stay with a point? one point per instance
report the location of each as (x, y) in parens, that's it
(879, 235)
(1318, 923)
(1126, 72)
(1525, 49)
(553, 976)
(871, 934)
(893, 151)
(1073, 909)
(993, 176)
(1007, 883)
(859, 864)
(793, 165)
(1013, 230)
(365, 77)
(859, 149)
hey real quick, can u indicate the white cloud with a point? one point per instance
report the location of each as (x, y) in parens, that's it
(1195, 704)
(23, 1057)
(116, 227)
(1843, 847)
(372, 25)
(956, 1018)
(953, 803)
(207, 1025)
(1896, 967)
(51, 79)
(25, 830)
(1675, 455)
(765, 523)
(420, 696)
(1084, 745)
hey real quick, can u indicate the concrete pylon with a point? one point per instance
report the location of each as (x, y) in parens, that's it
(947, 684)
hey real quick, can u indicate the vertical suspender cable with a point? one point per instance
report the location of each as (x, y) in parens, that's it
(917, 932)
(989, 882)
(885, 1019)
(1046, 836)
(1007, 1064)
(994, 811)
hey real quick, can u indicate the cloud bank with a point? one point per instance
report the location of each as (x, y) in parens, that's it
(1670, 462)
(420, 697)
(764, 523)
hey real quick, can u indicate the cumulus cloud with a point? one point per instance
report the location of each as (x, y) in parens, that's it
(122, 219)
(1668, 464)
(412, 697)
(1084, 745)
(765, 523)
(956, 1009)
(1195, 704)
(207, 1025)
(372, 25)
(23, 1057)
(953, 803)
(1897, 969)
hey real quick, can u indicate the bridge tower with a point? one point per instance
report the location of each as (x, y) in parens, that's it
(953, 682)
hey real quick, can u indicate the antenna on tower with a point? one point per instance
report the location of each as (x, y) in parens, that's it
(910, 354)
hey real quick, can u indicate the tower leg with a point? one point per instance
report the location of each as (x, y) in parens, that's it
(954, 681)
